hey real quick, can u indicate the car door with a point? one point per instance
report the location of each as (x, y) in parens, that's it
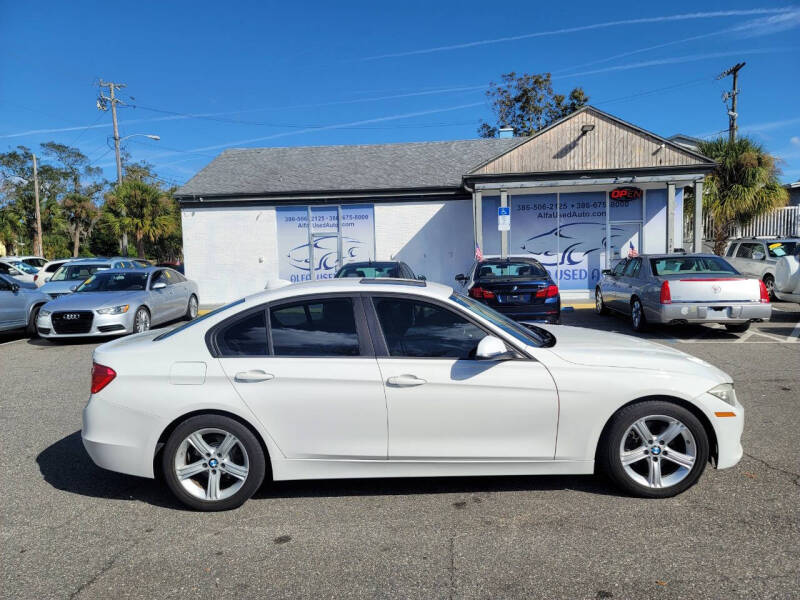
(612, 287)
(627, 283)
(312, 380)
(444, 405)
(744, 261)
(13, 305)
(180, 292)
(162, 303)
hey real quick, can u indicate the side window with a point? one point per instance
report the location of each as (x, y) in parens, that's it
(177, 277)
(620, 267)
(758, 252)
(731, 250)
(632, 268)
(418, 329)
(244, 337)
(315, 328)
(169, 277)
(745, 251)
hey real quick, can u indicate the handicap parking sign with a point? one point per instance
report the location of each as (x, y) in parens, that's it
(503, 218)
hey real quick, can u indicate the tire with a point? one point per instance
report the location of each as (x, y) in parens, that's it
(654, 475)
(191, 308)
(31, 330)
(769, 283)
(141, 320)
(638, 320)
(195, 487)
(738, 328)
(599, 305)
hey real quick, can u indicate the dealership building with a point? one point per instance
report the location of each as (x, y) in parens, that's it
(577, 195)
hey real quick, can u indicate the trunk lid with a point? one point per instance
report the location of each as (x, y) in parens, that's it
(712, 288)
(514, 291)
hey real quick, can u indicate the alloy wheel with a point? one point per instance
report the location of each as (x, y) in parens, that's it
(192, 307)
(598, 302)
(636, 314)
(658, 451)
(141, 321)
(211, 464)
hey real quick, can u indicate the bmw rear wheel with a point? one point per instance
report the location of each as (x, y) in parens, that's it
(141, 320)
(212, 462)
(654, 449)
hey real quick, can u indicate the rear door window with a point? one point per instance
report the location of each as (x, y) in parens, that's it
(325, 327)
(246, 336)
(731, 250)
(632, 268)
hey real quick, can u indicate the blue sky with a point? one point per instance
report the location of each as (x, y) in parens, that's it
(303, 73)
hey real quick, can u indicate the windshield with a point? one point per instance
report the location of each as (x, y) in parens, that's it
(510, 270)
(200, 319)
(76, 272)
(25, 268)
(779, 249)
(114, 282)
(691, 265)
(527, 334)
(369, 271)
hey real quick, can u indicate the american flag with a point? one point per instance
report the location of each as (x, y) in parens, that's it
(478, 253)
(632, 253)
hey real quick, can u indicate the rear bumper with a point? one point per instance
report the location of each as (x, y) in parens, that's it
(550, 312)
(118, 438)
(709, 313)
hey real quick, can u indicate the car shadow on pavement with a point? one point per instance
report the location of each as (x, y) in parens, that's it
(66, 466)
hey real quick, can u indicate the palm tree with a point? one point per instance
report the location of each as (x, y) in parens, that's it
(81, 214)
(743, 186)
(148, 213)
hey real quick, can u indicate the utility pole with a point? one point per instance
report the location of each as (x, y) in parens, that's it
(732, 96)
(102, 104)
(38, 250)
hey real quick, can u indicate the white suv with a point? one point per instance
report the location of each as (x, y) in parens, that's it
(757, 257)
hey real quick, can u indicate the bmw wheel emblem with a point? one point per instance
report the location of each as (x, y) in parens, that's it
(213, 463)
(656, 450)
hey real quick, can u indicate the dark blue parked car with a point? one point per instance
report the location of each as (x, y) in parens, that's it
(517, 286)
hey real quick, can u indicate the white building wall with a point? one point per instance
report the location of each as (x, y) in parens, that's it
(434, 238)
(229, 252)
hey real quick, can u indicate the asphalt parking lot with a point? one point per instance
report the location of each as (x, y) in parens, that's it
(72, 530)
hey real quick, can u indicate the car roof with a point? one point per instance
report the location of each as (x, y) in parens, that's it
(354, 285)
(372, 263)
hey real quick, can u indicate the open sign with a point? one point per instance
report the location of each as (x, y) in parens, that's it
(626, 193)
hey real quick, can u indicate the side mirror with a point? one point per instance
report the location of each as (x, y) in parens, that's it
(73, 288)
(461, 278)
(159, 285)
(46, 279)
(422, 278)
(606, 272)
(15, 287)
(493, 348)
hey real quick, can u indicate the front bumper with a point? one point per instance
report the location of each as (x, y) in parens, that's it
(712, 312)
(118, 438)
(102, 326)
(728, 429)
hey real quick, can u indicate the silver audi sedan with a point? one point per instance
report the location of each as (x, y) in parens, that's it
(119, 301)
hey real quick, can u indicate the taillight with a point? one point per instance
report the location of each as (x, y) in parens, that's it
(35, 277)
(547, 292)
(666, 297)
(481, 293)
(101, 377)
(764, 292)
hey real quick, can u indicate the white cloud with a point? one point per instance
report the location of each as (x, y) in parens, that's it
(795, 140)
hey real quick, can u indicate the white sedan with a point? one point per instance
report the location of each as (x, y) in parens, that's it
(379, 378)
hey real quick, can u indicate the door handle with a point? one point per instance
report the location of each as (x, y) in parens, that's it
(405, 380)
(253, 376)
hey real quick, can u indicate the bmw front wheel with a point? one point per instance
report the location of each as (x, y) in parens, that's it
(654, 449)
(212, 462)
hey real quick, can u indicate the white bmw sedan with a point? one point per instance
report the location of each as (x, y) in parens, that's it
(392, 378)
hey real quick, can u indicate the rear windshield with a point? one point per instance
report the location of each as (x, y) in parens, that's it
(24, 267)
(114, 282)
(76, 272)
(35, 262)
(680, 265)
(510, 270)
(778, 249)
(369, 271)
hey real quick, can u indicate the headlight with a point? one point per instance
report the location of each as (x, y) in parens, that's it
(44, 313)
(113, 310)
(724, 392)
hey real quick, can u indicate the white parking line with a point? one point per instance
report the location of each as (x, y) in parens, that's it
(795, 335)
(12, 342)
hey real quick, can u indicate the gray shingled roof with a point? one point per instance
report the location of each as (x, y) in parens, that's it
(339, 168)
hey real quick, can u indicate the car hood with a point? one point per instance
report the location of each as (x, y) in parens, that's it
(595, 348)
(59, 287)
(91, 300)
